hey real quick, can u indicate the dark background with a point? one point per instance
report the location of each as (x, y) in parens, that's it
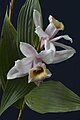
(67, 11)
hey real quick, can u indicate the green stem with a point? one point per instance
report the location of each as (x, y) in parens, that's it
(19, 116)
(20, 112)
(11, 9)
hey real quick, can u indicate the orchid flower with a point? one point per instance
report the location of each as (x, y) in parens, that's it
(47, 37)
(31, 64)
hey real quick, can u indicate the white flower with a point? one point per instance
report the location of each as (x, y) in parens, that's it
(31, 64)
(47, 38)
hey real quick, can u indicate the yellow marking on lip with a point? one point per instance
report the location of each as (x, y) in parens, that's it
(58, 25)
(38, 73)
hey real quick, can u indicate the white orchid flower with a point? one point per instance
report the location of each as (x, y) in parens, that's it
(47, 38)
(31, 64)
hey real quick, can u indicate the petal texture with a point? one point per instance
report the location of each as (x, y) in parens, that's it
(51, 30)
(41, 33)
(66, 37)
(20, 69)
(63, 55)
(47, 56)
(37, 18)
(27, 49)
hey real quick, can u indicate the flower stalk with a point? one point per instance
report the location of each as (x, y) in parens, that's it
(20, 114)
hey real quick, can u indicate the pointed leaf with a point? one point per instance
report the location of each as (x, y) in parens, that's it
(15, 90)
(25, 23)
(8, 49)
(52, 96)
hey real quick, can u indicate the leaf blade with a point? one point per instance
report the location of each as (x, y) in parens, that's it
(52, 96)
(7, 49)
(14, 91)
(25, 24)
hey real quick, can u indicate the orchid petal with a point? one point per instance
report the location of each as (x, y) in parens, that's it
(54, 27)
(37, 18)
(27, 49)
(51, 30)
(41, 44)
(64, 46)
(66, 37)
(20, 69)
(47, 56)
(24, 65)
(57, 24)
(48, 72)
(13, 73)
(41, 33)
(49, 45)
(62, 56)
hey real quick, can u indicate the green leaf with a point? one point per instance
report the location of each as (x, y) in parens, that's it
(15, 90)
(0, 83)
(52, 96)
(8, 49)
(8, 54)
(25, 23)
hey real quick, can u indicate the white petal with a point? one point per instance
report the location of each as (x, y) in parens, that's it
(66, 37)
(14, 73)
(54, 27)
(20, 69)
(27, 49)
(62, 56)
(47, 56)
(24, 65)
(41, 44)
(37, 18)
(49, 45)
(41, 33)
(51, 30)
(64, 46)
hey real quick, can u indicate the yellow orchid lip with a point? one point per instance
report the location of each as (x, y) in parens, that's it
(58, 25)
(38, 74)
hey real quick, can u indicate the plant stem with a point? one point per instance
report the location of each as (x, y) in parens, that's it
(19, 116)
(11, 9)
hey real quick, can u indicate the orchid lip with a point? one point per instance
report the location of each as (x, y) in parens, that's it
(38, 74)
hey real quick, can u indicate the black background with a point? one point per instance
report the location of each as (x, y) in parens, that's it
(67, 11)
